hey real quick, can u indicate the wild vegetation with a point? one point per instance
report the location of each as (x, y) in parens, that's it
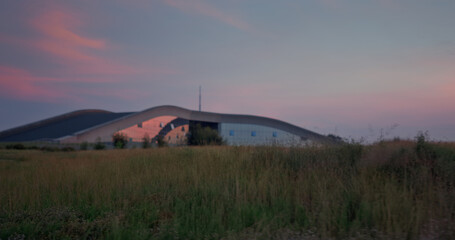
(203, 136)
(397, 189)
(119, 140)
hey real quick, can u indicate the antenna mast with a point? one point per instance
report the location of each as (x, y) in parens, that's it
(199, 98)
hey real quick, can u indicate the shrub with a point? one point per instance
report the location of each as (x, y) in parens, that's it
(99, 145)
(67, 149)
(204, 136)
(146, 141)
(17, 146)
(83, 146)
(49, 149)
(160, 141)
(119, 140)
(335, 138)
(423, 148)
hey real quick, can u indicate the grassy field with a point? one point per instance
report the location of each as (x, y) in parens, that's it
(398, 189)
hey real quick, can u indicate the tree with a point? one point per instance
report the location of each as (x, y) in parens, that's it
(146, 141)
(160, 141)
(204, 136)
(336, 138)
(119, 140)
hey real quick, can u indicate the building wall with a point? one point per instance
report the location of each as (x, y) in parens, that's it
(177, 136)
(251, 134)
(106, 130)
(174, 134)
(150, 127)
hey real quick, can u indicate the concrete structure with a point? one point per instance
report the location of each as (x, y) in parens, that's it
(171, 122)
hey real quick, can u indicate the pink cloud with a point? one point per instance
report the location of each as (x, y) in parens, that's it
(78, 52)
(59, 39)
(57, 24)
(200, 7)
(20, 84)
(80, 55)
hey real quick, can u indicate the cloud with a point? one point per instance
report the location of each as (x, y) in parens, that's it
(57, 24)
(20, 84)
(202, 8)
(79, 53)
(58, 39)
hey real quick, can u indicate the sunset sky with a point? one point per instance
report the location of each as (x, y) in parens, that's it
(354, 68)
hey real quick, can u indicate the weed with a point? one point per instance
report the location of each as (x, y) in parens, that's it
(386, 190)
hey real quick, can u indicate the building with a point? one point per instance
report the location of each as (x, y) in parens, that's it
(170, 122)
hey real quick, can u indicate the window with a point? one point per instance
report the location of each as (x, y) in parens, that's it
(183, 129)
(139, 125)
(177, 136)
(253, 133)
(161, 124)
(231, 132)
(275, 134)
(169, 138)
(172, 126)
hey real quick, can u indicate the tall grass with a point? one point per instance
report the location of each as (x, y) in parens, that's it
(390, 189)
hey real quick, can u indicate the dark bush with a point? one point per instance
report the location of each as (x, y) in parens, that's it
(160, 141)
(99, 145)
(335, 138)
(17, 146)
(49, 149)
(83, 146)
(424, 149)
(119, 140)
(146, 141)
(67, 149)
(204, 136)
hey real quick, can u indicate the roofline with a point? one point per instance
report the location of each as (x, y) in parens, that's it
(51, 120)
(118, 124)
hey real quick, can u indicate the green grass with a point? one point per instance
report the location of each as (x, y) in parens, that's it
(390, 189)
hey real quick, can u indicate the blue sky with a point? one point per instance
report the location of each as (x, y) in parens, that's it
(352, 68)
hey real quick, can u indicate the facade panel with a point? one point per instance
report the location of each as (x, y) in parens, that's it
(170, 122)
(251, 134)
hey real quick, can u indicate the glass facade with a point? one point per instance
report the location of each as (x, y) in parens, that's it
(251, 134)
(173, 130)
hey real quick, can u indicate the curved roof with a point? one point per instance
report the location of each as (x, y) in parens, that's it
(59, 126)
(106, 129)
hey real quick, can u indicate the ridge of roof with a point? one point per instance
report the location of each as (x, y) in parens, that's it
(40, 123)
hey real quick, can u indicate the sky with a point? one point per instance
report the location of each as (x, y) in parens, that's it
(360, 69)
